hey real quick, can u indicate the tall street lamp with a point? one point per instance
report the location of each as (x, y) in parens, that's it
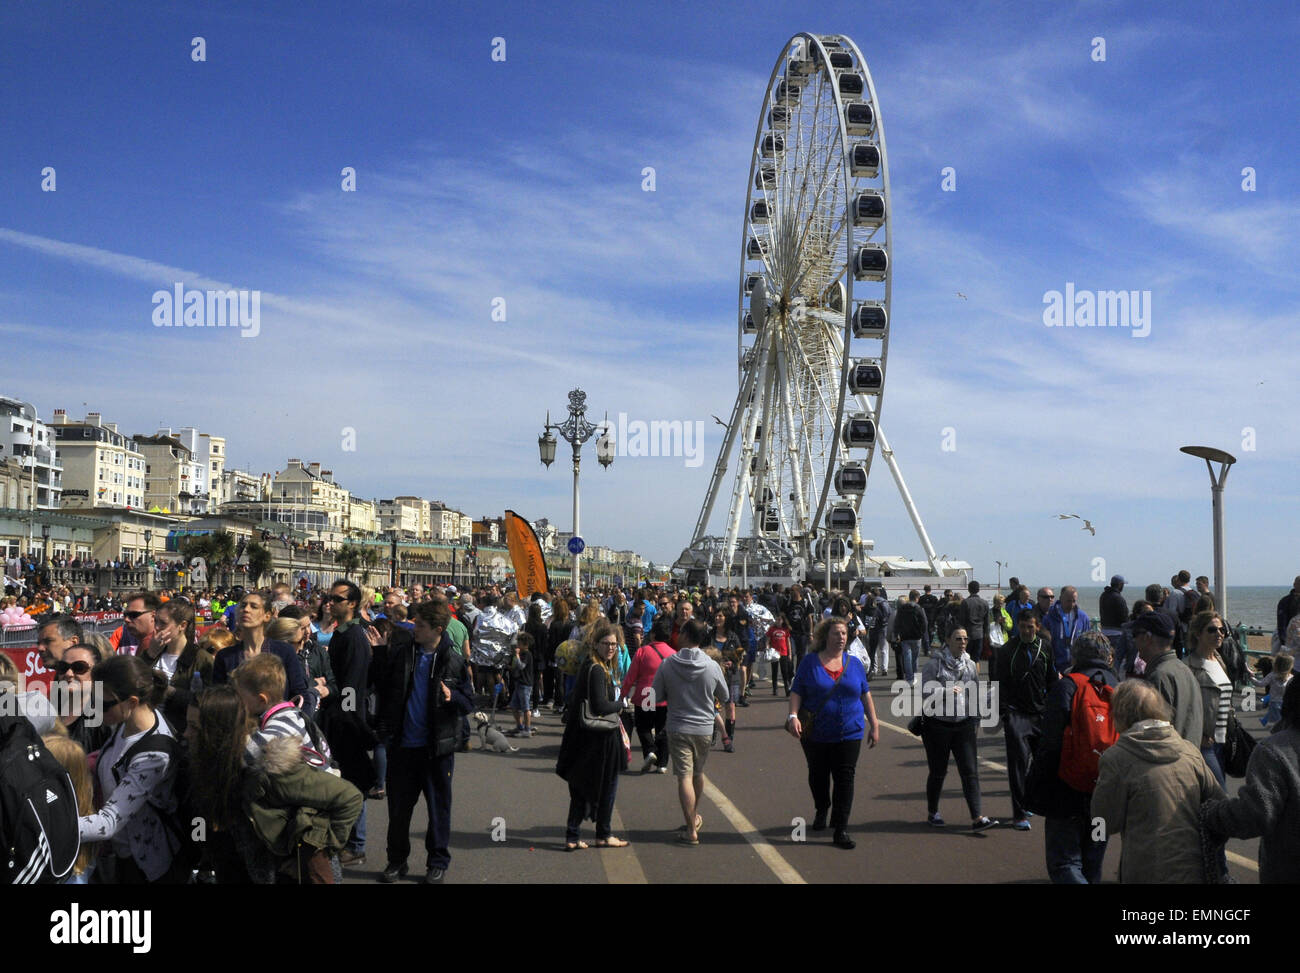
(45, 545)
(575, 431)
(1211, 456)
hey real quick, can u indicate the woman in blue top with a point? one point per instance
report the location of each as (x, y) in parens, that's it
(831, 688)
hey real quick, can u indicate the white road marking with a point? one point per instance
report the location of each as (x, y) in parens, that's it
(781, 868)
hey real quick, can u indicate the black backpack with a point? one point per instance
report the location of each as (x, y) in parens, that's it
(39, 840)
(179, 822)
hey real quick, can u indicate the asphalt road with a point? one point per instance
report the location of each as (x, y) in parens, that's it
(508, 818)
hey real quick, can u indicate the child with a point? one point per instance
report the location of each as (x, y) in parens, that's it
(778, 639)
(521, 701)
(260, 680)
(69, 753)
(1274, 686)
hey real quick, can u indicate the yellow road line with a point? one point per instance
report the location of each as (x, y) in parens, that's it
(781, 868)
(622, 867)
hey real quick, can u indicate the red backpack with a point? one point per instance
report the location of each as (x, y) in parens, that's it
(1090, 732)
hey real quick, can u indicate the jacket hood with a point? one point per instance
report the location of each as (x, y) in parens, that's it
(693, 657)
(1154, 741)
(279, 756)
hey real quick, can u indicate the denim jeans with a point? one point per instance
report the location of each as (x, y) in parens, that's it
(357, 839)
(1073, 858)
(1213, 755)
(908, 651)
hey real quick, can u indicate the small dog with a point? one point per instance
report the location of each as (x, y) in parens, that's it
(490, 738)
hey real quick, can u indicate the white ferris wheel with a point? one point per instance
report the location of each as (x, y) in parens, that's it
(812, 327)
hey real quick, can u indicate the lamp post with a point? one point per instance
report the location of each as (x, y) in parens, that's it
(1001, 565)
(575, 431)
(1211, 456)
(148, 574)
(45, 545)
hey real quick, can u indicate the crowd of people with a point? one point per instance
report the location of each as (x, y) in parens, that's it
(272, 716)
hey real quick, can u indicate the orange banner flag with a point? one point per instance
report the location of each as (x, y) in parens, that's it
(526, 555)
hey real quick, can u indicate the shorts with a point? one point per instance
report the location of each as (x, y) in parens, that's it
(735, 688)
(750, 656)
(689, 753)
(522, 699)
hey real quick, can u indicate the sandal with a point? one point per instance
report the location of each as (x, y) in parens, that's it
(576, 846)
(684, 839)
(699, 825)
(611, 842)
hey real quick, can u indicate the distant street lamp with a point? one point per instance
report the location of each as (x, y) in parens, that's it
(575, 431)
(1001, 565)
(45, 544)
(1212, 455)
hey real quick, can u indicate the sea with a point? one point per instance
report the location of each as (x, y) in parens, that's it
(1255, 607)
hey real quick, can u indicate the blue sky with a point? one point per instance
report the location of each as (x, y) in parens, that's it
(521, 179)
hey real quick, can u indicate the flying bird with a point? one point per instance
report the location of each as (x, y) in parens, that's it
(1068, 516)
(962, 296)
(1087, 525)
(720, 422)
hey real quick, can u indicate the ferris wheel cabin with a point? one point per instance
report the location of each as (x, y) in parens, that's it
(859, 431)
(865, 162)
(870, 320)
(759, 212)
(868, 209)
(859, 118)
(842, 518)
(870, 262)
(851, 480)
(866, 377)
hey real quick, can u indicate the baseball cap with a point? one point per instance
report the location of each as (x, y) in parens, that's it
(1118, 579)
(1156, 623)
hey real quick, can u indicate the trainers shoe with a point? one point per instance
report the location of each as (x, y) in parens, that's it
(393, 872)
(1021, 825)
(842, 840)
(649, 765)
(983, 824)
(349, 857)
(728, 745)
(537, 713)
(663, 769)
(934, 820)
(434, 876)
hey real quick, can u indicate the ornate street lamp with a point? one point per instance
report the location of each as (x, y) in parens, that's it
(575, 431)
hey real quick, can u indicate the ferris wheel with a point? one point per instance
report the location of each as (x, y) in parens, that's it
(812, 322)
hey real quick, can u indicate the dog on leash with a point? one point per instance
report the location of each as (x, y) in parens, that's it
(490, 738)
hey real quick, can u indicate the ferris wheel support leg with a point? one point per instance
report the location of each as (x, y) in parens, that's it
(724, 457)
(742, 482)
(908, 502)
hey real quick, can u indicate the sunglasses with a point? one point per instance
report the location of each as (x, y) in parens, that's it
(1215, 629)
(134, 615)
(79, 668)
(338, 598)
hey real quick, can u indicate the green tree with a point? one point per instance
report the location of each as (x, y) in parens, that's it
(349, 558)
(259, 561)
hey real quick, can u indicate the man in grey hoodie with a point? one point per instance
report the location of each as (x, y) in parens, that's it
(689, 682)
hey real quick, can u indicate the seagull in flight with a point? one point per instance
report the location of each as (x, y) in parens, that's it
(720, 422)
(1087, 525)
(1068, 516)
(962, 296)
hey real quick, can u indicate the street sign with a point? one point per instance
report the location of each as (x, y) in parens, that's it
(576, 545)
(618, 580)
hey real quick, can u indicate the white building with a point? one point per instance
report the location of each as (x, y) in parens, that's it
(24, 437)
(240, 487)
(101, 466)
(207, 467)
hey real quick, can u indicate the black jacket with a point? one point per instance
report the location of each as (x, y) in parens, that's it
(1113, 609)
(397, 680)
(1023, 684)
(911, 623)
(1045, 792)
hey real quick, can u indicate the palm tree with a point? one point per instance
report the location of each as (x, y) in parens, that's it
(349, 557)
(370, 559)
(259, 561)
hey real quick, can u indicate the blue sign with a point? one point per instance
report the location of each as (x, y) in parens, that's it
(618, 580)
(576, 546)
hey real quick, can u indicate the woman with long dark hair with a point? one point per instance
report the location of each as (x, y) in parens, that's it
(136, 771)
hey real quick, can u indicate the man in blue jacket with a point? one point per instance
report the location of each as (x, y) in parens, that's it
(1064, 622)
